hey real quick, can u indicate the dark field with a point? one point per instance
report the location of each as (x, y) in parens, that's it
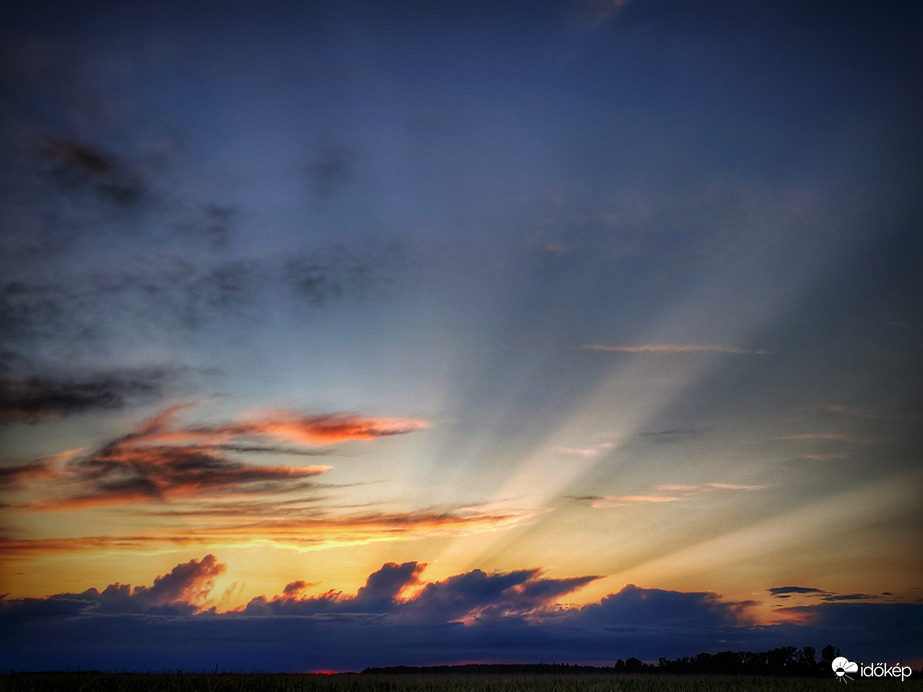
(344, 682)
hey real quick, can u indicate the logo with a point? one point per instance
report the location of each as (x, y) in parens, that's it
(842, 666)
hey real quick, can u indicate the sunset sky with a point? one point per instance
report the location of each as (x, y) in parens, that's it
(341, 334)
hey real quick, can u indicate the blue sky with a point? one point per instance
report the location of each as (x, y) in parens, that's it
(589, 301)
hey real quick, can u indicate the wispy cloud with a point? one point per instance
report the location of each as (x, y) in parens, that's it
(823, 437)
(678, 492)
(161, 460)
(34, 399)
(706, 486)
(870, 414)
(72, 161)
(585, 452)
(605, 501)
(826, 457)
(316, 530)
(788, 590)
(595, 13)
(670, 348)
(15, 477)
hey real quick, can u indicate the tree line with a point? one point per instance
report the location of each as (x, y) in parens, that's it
(786, 660)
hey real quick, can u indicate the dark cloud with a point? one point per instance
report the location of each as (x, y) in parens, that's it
(382, 588)
(341, 271)
(77, 163)
(472, 597)
(178, 593)
(656, 608)
(208, 221)
(161, 460)
(779, 590)
(673, 435)
(476, 616)
(16, 477)
(159, 297)
(330, 170)
(121, 473)
(34, 399)
(901, 623)
(294, 588)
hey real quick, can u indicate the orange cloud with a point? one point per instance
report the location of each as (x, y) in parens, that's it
(326, 429)
(322, 429)
(160, 460)
(322, 530)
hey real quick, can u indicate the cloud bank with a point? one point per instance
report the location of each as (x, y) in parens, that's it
(397, 618)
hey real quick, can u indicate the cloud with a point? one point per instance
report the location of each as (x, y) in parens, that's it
(181, 592)
(670, 349)
(674, 435)
(324, 429)
(270, 523)
(160, 460)
(35, 399)
(717, 486)
(605, 501)
(900, 622)
(120, 474)
(585, 452)
(161, 295)
(595, 13)
(787, 590)
(397, 618)
(72, 162)
(680, 492)
(824, 437)
(870, 414)
(656, 608)
(331, 168)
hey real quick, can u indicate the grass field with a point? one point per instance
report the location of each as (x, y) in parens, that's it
(351, 682)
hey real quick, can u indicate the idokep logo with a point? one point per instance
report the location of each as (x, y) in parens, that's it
(842, 666)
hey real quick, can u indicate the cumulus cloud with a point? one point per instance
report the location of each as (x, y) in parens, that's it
(397, 618)
(655, 608)
(181, 592)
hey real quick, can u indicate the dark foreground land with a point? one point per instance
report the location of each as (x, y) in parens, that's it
(442, 682)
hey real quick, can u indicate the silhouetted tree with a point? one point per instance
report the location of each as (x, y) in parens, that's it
(828, 653)
(633, 665)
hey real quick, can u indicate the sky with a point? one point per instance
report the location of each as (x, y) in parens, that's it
(351, 334)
